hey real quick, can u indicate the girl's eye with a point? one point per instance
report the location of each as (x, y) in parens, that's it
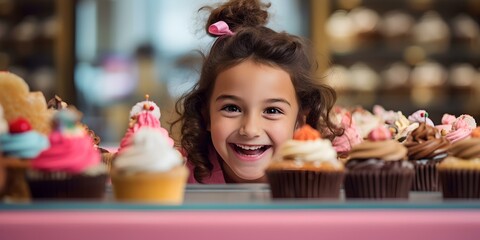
(231, 108)
(273, 110)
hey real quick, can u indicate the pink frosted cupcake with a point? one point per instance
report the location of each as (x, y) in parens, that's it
(143, 114)
(461, 128)
(70, 168)
(350, 137)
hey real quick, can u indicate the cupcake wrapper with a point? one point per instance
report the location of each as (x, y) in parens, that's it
(426, 177)
(304, 184)
(378, 184)
(50, 186)
(16, 187)
(458, 183)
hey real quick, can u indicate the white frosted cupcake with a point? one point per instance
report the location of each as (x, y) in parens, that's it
(149, 170)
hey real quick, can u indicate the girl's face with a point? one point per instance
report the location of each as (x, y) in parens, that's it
(253, 109)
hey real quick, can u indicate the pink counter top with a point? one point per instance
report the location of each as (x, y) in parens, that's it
(242, 224)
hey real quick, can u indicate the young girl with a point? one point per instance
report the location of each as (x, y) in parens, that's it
(256, 87)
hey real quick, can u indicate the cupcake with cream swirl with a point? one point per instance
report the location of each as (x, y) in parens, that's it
(459, 173)
(305, 167)
(378, 168)
(149, 170)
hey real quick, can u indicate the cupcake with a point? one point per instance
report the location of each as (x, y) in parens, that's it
(56, 104)
(459, 173)
(426, 149)
(378, 168)
(149, 169)
(305, 167)
(20, 144)
(350, 137)
(70, 168)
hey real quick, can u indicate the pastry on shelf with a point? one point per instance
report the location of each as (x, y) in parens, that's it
(366, 22)
(341, 31)
(466, 31)
(428, 83)
(364, 78)
(462, 75)
(396, 76)
(396, 26)
(432, 32)
(338, 77)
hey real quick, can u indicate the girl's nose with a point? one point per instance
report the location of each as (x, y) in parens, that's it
(250, 127)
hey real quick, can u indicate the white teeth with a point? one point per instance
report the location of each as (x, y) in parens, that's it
(244, 147)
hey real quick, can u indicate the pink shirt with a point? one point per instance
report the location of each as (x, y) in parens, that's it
(216, 176)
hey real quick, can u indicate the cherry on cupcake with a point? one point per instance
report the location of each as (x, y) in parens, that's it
(19, 125)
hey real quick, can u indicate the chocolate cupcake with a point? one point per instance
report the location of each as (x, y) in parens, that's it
(426, 149)
(459, 173)
(378, 168)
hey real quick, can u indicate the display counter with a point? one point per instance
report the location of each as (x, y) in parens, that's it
(244, 211)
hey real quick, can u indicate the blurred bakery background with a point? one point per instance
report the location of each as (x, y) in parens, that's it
(104, 55)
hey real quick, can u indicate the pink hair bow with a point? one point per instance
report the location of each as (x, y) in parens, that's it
(220, 28)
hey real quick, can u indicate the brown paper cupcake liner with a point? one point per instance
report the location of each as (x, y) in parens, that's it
(49, 186)
(458, 183)
(304, 184)
(378, 184)
(426, 177)
(16, 187)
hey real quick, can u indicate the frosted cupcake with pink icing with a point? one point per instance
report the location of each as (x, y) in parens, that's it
(143, 114)
(461, 128)
(350, 137)
(71, 166)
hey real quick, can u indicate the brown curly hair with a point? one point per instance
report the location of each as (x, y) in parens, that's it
(253, 41)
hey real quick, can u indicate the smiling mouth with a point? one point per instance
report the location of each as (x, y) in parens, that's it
(250, 150)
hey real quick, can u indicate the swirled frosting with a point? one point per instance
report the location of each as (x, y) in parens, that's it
(143, 119)
(307, 147)
(464, 154)
(389, 150)
(466, 149)
(150, 151)
(67, 153)
(23, 145)
(426, 142)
